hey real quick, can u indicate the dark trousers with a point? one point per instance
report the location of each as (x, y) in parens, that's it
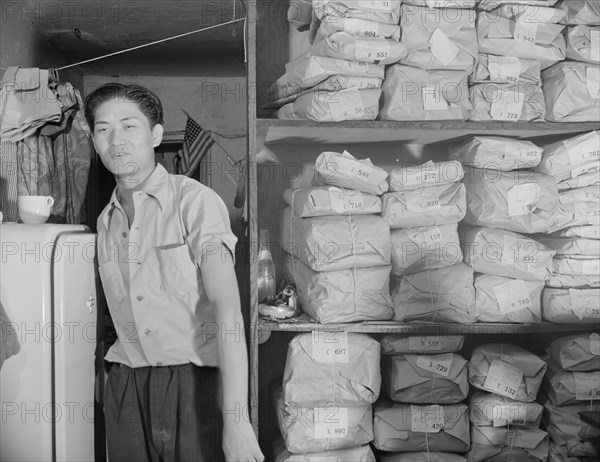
(167, 413)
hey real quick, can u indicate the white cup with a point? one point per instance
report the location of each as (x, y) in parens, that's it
(34, 209)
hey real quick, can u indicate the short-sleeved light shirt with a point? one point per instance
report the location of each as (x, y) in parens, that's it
(151, 273)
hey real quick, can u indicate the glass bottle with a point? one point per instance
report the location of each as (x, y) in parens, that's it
(266, 269)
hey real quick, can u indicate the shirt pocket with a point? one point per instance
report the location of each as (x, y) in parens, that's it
(112, 284)
(176, 268)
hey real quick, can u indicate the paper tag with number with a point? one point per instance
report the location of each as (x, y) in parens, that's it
(530, 154)
(345, 105)
(427, 343)
(504, 68)
(595, 344)
(526, 32)
(433, 99)
(422, 200)
(593, 81)
(595, 43)
(438, 364)
(330, 422)
(427, 419)
(376, 5)
(442, 47)
(585, 303)
(345, 201)
(513, 296)
(352, 167)
(509, 414)
(523, 199)
(593, 217)
(584, 150)
(518, 250)
(372, 50)
(427, 238)
(503, 379)
(587, 385)
(590, 266)
(508, 106)
(363, 82)
(330, 347)
(361, 28)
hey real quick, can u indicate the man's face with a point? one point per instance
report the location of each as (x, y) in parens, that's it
(124, 140)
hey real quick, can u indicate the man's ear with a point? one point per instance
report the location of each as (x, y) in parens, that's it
(157, 134)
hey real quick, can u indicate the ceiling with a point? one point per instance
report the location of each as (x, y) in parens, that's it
(87, 29)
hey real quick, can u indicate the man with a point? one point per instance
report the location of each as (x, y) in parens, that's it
(165, 252)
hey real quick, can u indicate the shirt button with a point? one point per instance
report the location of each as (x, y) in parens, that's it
(139, 298)
(124, 234)
(147, 331)
(159, 364)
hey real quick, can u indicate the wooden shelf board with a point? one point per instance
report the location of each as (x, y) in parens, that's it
(277, 131)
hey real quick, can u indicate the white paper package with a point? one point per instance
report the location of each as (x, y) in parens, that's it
(409, 428)
(582, 44)
(425, 379)
(572, 92)
(334, 106)
(492, 410)
(415, 176)
(350, 295)
(507, 370)
(330, 200)
(363, 28)
(488, 5)
(583, 452)
(519, 201)
(580, 12)
(422, 457)
(500, 299)
(532, 14)
(429, 206)
(332, 243)
(502, 36)
(508, 69)
(440, 295)
(446, 40)
(424, 248)
(500, 252)
(344, 171)
(331, 367)
(342, 45)
(394, 344)
(463, 4)
(570, 281)
(587, 179)
(588, 232)
(356, 454)
(497, 153)
(575, 273)
(409, 93)
(508, 102)
(583, 204)
(572, 157)
(564, 425)
(378, 11)
(571, 306)
(564, 388)
(572, 246)
(576, 353)
(489, 444)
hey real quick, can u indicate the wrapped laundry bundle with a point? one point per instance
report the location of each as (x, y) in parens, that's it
(410, 93)
(510, 69)
(506, 370)
(572, 245)
(323, 428)
(326, 367)
(588, 232)
(409, 428)
(567, 387)
(582, 44)
(579, 195)
(508, 102)
(440, 295)
(379, 11)
(570, 281)
(573, 451)
(572, 92)
(463, 4)
(414, 344)
(577, 266)
(362, 28)
(502, 36)
(337, 242)
(572, 157)
(350, 295)
(564, 425)
(493, 4)
(342, 45)
(503, 253)
(492, 410)
(518, 201)
(489, 444)
(344, 171)
(431, 206)
(330, 200)
(439, 41)
(426, 379)
(357, 454)
(577, 353)
(587, 179)
(571, 306)
(497, 153)
(333, 106)
(580, 12)
(500, 299)
(425, 248)
(422, 457)
(409, 177)
(532, 14)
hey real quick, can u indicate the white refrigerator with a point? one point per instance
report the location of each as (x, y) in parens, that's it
(48, 286)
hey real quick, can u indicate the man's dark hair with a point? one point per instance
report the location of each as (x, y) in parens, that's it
(146, 100)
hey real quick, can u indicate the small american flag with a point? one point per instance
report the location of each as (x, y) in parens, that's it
(196, 144)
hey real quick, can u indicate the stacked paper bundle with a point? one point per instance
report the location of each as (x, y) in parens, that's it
(330, 382)
(504, 416)
(431, 82)
(340, 76)
(516, 41)
(572, 88)
(338, 244)
(571, 386)
(423, 208)
(572, 292)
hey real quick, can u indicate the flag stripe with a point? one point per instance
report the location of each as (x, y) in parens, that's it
(196, 144)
